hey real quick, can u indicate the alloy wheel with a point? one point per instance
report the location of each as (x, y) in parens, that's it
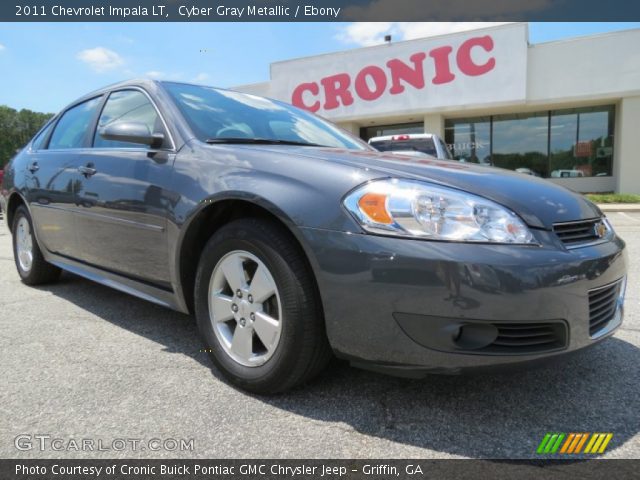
(245, 309)
(24, 244)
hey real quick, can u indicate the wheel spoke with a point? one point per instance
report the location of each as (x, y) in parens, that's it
(266, 328)
(221, 308)
(262, 286)
(242, 343)
(233, 270)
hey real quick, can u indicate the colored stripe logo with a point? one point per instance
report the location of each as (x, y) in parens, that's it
(573, 443)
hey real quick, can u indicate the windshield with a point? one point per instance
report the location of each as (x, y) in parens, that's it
(444, 148)
(424, 145)
(217, 115)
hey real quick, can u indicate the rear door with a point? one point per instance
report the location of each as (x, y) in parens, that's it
(52, 176)
(123, 196)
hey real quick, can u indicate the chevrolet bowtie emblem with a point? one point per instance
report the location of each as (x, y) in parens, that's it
(600, 229)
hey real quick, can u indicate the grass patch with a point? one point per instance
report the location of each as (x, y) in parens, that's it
(613, 197)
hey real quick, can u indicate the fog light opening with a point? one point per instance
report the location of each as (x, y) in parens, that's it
(473, 336)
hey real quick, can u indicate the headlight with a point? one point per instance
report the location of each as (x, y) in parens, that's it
(416, 209)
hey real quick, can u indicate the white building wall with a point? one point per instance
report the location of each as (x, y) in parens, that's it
(588, 68)
(587, 184)
(586, 71)
(262, 89)
(434, 123)
(627, 146)
(350, 127)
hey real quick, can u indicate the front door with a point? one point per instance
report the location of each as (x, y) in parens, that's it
(122, 199)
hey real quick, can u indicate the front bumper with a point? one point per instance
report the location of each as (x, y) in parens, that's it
(398, 305)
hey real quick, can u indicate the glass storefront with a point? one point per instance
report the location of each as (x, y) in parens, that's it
(398, 129)
(581, 142)
(558, 144)
(469, 139)
(520, 143)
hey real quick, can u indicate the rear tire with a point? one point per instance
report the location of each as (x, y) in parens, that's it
(32, 267)
(285, 344)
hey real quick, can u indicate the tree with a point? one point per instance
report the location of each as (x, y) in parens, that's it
(16, 129)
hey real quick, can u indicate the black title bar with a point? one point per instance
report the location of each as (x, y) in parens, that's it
(315, 10)
(301, 469)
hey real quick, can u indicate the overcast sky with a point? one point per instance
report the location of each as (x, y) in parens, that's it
(46, 65)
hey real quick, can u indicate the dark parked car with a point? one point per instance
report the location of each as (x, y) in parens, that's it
(291, 240)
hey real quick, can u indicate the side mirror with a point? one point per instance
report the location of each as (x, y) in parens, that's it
(132, 132)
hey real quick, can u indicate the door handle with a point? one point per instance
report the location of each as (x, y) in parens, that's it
(87, 170)
(33, 167)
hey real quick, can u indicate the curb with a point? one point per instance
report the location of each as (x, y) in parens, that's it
(619, 207)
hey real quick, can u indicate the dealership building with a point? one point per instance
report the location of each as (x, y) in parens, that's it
(566, 110)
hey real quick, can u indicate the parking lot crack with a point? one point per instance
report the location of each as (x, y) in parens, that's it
(389, 422)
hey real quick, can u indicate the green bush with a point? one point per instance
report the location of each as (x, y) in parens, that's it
(613, 197)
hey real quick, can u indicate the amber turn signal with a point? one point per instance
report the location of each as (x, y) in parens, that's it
(374, 206)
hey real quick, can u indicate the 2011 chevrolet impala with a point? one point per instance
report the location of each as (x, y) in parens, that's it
(292, 240)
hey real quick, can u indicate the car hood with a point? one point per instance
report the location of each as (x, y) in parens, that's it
(540, 203)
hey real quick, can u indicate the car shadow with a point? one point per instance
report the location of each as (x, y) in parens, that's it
(498, 415)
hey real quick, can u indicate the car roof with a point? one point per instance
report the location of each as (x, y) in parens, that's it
(411, 136)
(140, 82)
(149, 85)
(145, 83)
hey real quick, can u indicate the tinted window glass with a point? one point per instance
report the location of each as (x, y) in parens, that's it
(582, 142)
(127, 106)
(73, 126)
(520, 143)
(424, 145)
(39, 142)
(469, 139)
(219, 114)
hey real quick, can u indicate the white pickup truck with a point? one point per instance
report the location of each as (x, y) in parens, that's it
(412, 144)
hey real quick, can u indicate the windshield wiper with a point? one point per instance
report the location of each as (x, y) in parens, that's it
(259, 141)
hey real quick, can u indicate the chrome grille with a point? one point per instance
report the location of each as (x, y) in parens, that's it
(574, 234)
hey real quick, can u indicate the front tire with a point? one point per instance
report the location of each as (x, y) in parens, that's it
(32, 267)
(257, 308)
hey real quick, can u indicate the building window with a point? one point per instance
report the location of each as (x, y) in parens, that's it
(397, 129)
(581, 142)
(469, 139)
(520, 143)
(558, 144)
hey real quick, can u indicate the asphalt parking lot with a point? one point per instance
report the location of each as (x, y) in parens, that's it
(82, 361)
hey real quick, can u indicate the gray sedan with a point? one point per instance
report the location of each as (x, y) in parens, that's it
(292, 241)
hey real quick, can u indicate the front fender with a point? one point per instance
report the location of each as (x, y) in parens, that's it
(301, 192)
